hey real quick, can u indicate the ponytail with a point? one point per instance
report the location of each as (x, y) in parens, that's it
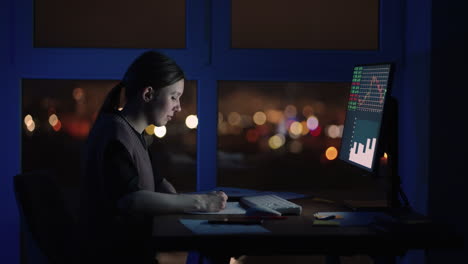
(112, 101)
(150, 69)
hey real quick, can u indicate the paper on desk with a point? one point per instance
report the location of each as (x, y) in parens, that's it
(202, 227)
(231, 208)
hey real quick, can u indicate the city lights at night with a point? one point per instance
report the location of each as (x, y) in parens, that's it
(191, 121)
(259, 118)
(312, 123)
(234, 119)
(264, 129)
(29, 122)
(276, 141)
(150, 129)
(333, 131)
(331, 153)
(160, 132)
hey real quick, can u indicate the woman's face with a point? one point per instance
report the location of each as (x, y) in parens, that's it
(167, 103)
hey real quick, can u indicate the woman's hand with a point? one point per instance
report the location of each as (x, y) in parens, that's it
(213, 201)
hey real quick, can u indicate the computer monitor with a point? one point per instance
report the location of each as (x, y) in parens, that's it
(361, 142)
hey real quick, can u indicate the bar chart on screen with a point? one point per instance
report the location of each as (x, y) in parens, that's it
(363, 142)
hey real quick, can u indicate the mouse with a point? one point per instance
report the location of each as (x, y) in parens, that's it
(261, 211)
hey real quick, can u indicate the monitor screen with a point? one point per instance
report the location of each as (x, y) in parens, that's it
(361, 132)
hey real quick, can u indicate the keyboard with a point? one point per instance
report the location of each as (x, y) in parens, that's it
(272, 202)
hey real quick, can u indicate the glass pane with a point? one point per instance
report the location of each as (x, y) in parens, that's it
(284, 136)
(305, 24)
(110, 24)
(58, 114)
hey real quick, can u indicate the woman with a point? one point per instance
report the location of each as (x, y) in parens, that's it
(120, 192)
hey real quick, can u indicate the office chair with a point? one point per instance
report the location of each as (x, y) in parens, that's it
(47, 227)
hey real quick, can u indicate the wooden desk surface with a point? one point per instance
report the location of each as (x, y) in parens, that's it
(296, 235)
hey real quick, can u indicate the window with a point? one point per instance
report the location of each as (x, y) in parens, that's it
(58, 114)
(268, 130)
(286, 136)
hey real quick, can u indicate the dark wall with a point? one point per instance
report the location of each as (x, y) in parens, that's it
(448, 164)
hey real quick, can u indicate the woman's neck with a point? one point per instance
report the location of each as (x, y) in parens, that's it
(135, 117)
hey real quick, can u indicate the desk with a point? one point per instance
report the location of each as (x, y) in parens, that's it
(298, 236)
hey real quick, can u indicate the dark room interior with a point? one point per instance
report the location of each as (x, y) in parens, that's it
(264, 106)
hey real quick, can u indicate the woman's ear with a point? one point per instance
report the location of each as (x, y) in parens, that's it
(148, 94)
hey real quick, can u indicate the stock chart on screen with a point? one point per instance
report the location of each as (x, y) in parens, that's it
(364, 114)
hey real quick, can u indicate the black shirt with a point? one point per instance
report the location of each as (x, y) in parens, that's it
(120, 171)
(129, 233)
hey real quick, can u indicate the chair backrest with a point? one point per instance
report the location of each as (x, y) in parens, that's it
(44, 216)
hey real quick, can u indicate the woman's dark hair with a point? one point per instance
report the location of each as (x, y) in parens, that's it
(151, 68)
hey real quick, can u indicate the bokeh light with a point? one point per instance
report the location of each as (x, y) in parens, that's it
(191, 121)
(252, 135)
(234, 119)
(28, 120)
(57, 126)
(274, 116)
(150, 129)
(331, 153)
(53, 120)
(160, 132)
(29, 123)
(259, 118)
(312, 123)
(263, 130)
(276, 141)
(296, 128)
(316, 132)
(78, 94)
(305, 129)
(31, 127)
(333, 131)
